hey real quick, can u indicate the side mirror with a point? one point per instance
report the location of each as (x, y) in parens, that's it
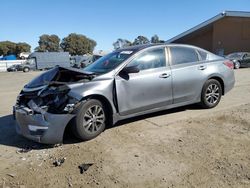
(131, 69)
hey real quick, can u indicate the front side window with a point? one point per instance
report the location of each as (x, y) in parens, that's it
(31, 61)
(246, 56)
(150, 59)
(180, 55)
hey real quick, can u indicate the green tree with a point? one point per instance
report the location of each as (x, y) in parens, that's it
(91, 45)
(121, 43)
(155, 39)
(48, 43)
(77, 44)
(22, 47)
(141, 40)
(7, 48)
(3, 49)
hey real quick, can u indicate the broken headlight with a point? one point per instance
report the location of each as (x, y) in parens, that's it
(52, 98)
(71, 105)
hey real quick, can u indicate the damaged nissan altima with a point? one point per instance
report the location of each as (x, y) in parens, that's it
(125, 83)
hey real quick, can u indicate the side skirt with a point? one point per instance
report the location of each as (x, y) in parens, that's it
(117, 117)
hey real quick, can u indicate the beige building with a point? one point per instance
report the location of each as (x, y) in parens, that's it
(223, 34)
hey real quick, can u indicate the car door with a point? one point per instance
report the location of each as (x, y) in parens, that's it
(150, 88)
(248, 59)
(188, 73)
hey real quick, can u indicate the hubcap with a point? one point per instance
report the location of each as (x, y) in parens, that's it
(212, 94)
(93, 119)
(237, 65)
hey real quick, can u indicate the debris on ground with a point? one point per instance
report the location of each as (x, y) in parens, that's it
(59, 162)
(84, 167)
(57, 145)
(23, 158)
(11, 175)
(24, 150)
(180, 140)
(69, 181)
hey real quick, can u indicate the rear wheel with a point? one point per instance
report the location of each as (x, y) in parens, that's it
(211, 93)
(90, 120)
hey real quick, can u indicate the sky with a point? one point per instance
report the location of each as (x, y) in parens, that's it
(106, 20)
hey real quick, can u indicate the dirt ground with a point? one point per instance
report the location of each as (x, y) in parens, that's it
(183, 147)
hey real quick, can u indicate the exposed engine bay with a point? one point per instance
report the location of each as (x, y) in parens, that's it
(48, 92)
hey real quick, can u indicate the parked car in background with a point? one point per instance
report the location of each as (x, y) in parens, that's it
(20, 67)
(125, 83)
(240, 59)
(14, 68)
(24, 55)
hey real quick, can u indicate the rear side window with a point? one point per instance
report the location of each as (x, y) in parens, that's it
(150, 59)
(180, 55)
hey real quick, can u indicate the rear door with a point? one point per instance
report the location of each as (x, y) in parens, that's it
(148, 89)
(188, 73)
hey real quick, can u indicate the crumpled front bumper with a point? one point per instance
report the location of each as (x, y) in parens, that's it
(41, 127)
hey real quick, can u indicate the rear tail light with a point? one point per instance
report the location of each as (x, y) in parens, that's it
(229, 64)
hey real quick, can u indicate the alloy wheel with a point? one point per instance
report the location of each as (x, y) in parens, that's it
(212, 93)
(93, 119)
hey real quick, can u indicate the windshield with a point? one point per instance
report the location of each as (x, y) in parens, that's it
(108, 62)
(234, 55)
(95, 57)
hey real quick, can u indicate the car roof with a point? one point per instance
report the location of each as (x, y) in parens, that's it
(136, 47)
(144, 46)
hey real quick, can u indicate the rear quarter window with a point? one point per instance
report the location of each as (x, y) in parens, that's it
(203, 55)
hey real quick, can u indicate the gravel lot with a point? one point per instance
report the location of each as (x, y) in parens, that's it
(183, 147)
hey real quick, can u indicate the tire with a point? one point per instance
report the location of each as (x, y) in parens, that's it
(211, 94)
(237, 65)
(26, 69)
(87, 125)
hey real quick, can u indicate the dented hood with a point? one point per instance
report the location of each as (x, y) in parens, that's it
(61, 75)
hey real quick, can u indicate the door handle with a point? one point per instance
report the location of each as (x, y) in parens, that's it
(202, 67)
(165, 75)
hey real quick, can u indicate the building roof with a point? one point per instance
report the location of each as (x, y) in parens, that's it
(210, 22)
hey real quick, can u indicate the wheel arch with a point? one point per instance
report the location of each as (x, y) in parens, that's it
(106, 103)
(102, 99)
(220, 80)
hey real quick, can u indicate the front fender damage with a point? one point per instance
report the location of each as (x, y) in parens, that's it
(45, 107)
(36, 124)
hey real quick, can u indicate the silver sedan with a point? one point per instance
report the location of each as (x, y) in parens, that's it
(125, 83)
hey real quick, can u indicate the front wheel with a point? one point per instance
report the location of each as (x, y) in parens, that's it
(26, 69)
(90, 120)
(211, 93)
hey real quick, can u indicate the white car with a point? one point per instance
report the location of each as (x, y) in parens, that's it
(24, 55)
